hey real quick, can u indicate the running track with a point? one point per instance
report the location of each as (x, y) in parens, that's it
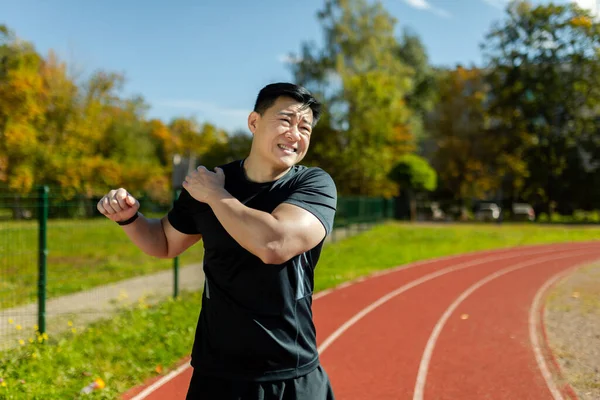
(462, 327)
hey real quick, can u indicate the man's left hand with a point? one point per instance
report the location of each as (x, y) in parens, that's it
(204, 185)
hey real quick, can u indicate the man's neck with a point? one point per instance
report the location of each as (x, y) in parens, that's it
(257, 171)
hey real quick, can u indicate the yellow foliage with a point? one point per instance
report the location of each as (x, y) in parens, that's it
(161, 132)
(402, 139)
(21, 180)
(21, 94)
(158, 188)
(581, 21)
(19, 137)
(3, 168)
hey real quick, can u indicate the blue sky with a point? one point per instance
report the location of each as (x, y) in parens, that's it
(209, 58)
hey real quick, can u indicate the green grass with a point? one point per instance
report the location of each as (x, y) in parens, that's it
(124, 351)
(393, 244)
(82, 254)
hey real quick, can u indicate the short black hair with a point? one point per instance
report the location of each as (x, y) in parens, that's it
(270, 93)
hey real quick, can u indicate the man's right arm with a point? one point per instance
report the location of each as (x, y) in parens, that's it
(158, 238)
(155, 237)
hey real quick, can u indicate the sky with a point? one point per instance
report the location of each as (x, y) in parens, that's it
(209, 58)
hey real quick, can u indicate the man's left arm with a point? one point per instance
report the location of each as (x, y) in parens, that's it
(294, 227)
(275, 238)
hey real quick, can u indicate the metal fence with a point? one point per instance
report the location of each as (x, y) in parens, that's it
(63, 265)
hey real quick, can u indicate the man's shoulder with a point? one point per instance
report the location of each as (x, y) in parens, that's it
(310, 177)
(231, 166)
(311, 172)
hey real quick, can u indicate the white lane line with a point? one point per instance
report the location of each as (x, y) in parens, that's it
(426, 358)
(534, 322)
(156, 385)
(382, 300)
(470, 254)
(162, 381)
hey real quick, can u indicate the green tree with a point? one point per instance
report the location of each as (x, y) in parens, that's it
(469, 161)
(414, 175)
(235, 147)
(544, 74)
(422, 96)
(365, 85)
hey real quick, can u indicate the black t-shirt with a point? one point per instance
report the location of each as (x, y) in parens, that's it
(256, 319)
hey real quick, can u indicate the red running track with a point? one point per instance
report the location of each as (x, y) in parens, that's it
(463, 327)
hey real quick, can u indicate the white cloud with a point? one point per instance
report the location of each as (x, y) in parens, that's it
(204, 107)
(588, 5)
(288, 59)
(426, 6)
(422, 4)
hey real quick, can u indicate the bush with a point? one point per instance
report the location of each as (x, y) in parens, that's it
(578, 217)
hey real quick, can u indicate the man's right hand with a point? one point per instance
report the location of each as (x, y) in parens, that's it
(118, 205)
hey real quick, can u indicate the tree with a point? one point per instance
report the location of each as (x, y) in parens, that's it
(22, 98)
(413, 175)
(468, 160)
(194, 142)
(365, 85)
(236, 147)
(84, 137)
(421, 98)
(544, 74)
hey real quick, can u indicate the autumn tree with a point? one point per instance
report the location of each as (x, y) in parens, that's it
(22, 99)
(82, 137)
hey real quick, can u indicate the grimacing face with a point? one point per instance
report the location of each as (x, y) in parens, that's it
(282, 133)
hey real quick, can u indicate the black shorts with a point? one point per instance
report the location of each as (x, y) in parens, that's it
(313, 386)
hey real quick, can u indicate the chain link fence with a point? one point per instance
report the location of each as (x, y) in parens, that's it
(63, 265)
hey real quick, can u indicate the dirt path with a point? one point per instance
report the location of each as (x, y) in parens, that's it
(82, 308)
(87, 306)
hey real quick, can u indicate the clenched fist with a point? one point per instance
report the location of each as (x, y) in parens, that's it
(204, 185)
(118, 205)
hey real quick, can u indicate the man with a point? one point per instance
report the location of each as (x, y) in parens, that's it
(263, 221)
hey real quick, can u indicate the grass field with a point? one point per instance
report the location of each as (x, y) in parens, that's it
(393, 244)
(145, 341)
(81, 254)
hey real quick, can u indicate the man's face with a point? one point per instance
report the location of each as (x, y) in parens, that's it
(282, 133)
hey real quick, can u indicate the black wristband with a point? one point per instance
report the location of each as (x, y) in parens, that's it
(130, 220)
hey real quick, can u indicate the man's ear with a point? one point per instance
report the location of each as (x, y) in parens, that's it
(253, 119)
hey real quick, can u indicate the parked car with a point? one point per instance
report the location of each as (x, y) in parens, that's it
(430, 212)
(522, 212)
(458, 213)
(437, 213)
(487, 212)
